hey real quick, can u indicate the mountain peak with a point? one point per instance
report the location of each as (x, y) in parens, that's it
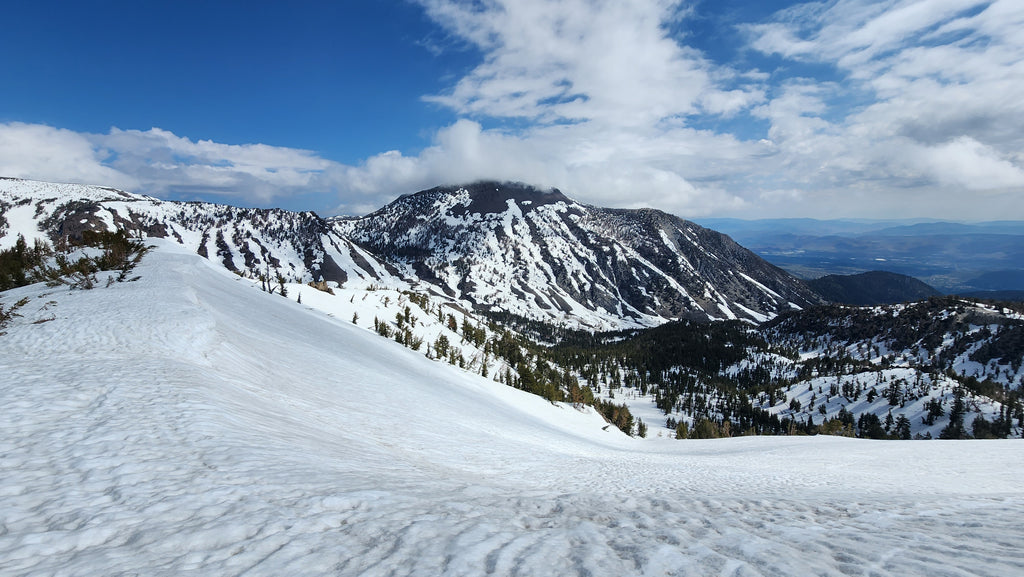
(515, 248)
(498, 247)
(488, 196)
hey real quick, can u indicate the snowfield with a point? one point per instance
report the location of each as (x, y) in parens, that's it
(191, 422)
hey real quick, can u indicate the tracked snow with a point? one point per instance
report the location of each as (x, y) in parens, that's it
(189, 422)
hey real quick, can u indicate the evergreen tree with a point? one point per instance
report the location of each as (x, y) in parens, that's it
(955, 428)
(845, 417)
(902, 428)
(935, 409)
(869, 426)
(280, 285)
(682, 430)
(704, 429)
(982, 428)
(441, 346)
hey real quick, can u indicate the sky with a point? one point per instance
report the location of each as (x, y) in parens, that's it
(708, 108)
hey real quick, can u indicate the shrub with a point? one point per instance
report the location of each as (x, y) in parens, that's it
(7, 314)
(20, 265)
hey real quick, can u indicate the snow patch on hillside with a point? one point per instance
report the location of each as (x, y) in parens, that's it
(189, 422)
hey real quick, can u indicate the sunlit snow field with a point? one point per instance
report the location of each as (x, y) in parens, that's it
(190, 422)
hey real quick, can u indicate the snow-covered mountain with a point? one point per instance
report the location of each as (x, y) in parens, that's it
(300, 246)
(495, 247)
(536, 253)
(192, 423)
(421, 268)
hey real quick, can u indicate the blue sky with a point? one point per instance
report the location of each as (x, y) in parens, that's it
(846, 108)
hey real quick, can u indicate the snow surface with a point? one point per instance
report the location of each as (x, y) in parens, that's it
(190, 422)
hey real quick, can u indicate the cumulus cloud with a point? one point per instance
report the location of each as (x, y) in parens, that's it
(604, 99)
(924, 103)
(603, 61)
(158, 162)
(936, 115)
(590, 96)
(45, 153)
(593, 164)
(166, 163)
(967, 163)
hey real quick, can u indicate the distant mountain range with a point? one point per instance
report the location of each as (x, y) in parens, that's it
(1017, 296)
(952, 257)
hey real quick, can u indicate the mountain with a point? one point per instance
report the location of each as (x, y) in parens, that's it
(999, 280)
(820, 370)
(729, 375)
(300, 246)
(536, 253)
(498, 248)
(1005, 295)
(911, 359)
(952, 257)
(871, 288)
(188, 422)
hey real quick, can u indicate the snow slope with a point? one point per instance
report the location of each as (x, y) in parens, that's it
(297, 245)
(510, 247)
(513, 249)
(191, 422)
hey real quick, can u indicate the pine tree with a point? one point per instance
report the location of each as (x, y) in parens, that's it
(982, 428)
(869, 426)
(682, 430)
(280, 285)
(902, 428)
(441, 346)
(955, 428)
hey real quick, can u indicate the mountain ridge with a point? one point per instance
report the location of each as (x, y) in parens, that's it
(721, 379)
(505, 247)
(640, 264)
(872, 288)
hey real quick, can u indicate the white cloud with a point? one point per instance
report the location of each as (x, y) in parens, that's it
(166, 163)
(967, 163)
(158, 162)
(937, 113)
(921, 111)
(45, 153)
(925, 104)
(610, 62)
(596, 165)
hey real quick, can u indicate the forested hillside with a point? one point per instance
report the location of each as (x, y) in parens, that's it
(941, 367)
(946, 367)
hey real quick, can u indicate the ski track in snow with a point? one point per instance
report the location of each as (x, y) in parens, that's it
(189, 422)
